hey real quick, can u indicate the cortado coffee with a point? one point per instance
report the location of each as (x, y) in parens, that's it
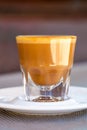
(46, 59)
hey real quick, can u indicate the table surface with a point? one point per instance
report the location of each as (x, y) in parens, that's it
(75, 121)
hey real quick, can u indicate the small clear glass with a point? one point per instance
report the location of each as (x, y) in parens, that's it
(46, 63)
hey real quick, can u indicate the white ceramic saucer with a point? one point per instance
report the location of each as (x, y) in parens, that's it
(10, 99)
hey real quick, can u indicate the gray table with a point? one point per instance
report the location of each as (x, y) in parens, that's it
(75, 121)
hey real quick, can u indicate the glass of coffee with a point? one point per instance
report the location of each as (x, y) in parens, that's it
(46, 62)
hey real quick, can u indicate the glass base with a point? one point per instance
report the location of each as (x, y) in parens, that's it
(54, 93)
(46, 93)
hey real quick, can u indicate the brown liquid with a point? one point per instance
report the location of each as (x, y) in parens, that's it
(47, 61)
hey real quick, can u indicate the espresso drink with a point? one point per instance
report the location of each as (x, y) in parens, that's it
(46, 59)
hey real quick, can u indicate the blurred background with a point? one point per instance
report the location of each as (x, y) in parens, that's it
(34, 17)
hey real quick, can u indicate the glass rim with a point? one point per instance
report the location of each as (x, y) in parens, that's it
(42, 38)
(37, 36)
